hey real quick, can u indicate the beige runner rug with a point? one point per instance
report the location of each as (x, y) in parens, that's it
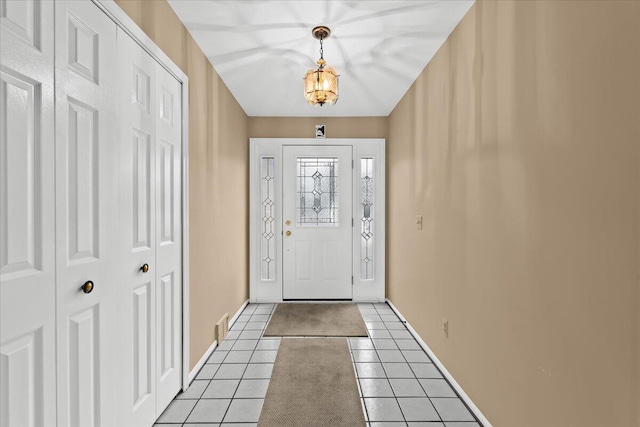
(316, 320)
(312, 385)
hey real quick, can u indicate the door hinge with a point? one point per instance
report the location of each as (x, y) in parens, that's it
(353, 164)
(352, 280)
(353, 222)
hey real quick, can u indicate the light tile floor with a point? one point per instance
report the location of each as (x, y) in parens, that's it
(399, 385)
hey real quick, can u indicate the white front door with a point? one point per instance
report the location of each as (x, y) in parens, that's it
(317, 222)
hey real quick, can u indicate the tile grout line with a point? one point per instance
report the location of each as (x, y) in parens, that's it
(410, 367)
(457, 396)
(355, 371)
(248, 363)
(245, 368)
(377, 309)
(476, 420)
(375, 349)
(414, 374)
(404, 417)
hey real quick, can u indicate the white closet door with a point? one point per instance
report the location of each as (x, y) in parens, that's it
(168, 236)
(150, 303)
(137, 291)
(27, 257)
(86, 215)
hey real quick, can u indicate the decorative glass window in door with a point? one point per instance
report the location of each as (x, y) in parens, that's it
(267, 196)
(317, 191)
(366, 219)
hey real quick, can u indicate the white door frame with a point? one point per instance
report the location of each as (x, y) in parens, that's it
(120, 17)
(266, 279)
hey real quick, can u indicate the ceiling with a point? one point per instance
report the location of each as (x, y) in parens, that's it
(262, 48)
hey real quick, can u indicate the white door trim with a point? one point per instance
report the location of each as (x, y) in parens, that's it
(120, 17)
(269, 288)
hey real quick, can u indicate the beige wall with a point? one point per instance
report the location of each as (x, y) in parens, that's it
(304, 127)
(519, 143)
(218, 177)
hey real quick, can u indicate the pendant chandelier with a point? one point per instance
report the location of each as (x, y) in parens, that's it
(321, 84)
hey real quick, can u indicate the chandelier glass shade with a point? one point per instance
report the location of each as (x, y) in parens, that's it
(321, 84)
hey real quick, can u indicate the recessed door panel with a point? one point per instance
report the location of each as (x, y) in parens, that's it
(330, 259)
(167, 196)
(83, 47)
(141, 194)
(142, 350)
(83, 182)
(304, 260)
(141, 89)
(20, 147)
(22, 19)
(317, 222)
(21, 364)
(167, 324)
(84, 368)
(166, 106)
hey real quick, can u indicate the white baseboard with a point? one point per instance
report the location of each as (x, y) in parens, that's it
(476, 411)
(238, 313)
(207, 354)
(201, 362)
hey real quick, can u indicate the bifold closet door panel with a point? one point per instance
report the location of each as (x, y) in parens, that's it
(150, 304)
(138, 289)
(86, 215)
(168, 235)
(27, 215)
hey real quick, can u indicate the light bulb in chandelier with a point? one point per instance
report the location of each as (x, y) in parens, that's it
(321, 84)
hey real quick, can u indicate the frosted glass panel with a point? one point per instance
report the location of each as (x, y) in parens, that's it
(366, 219)
(317, 191)
(268, 242)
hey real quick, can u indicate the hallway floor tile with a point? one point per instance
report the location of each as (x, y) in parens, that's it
(399, 385)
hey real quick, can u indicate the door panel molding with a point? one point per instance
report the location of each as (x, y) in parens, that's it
(266, 221)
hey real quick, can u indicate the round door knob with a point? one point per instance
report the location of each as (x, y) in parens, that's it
(144, 268)
(288, 233)
(87, 287)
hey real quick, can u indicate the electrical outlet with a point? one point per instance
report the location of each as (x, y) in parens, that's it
(419, 222)
(445, 327)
